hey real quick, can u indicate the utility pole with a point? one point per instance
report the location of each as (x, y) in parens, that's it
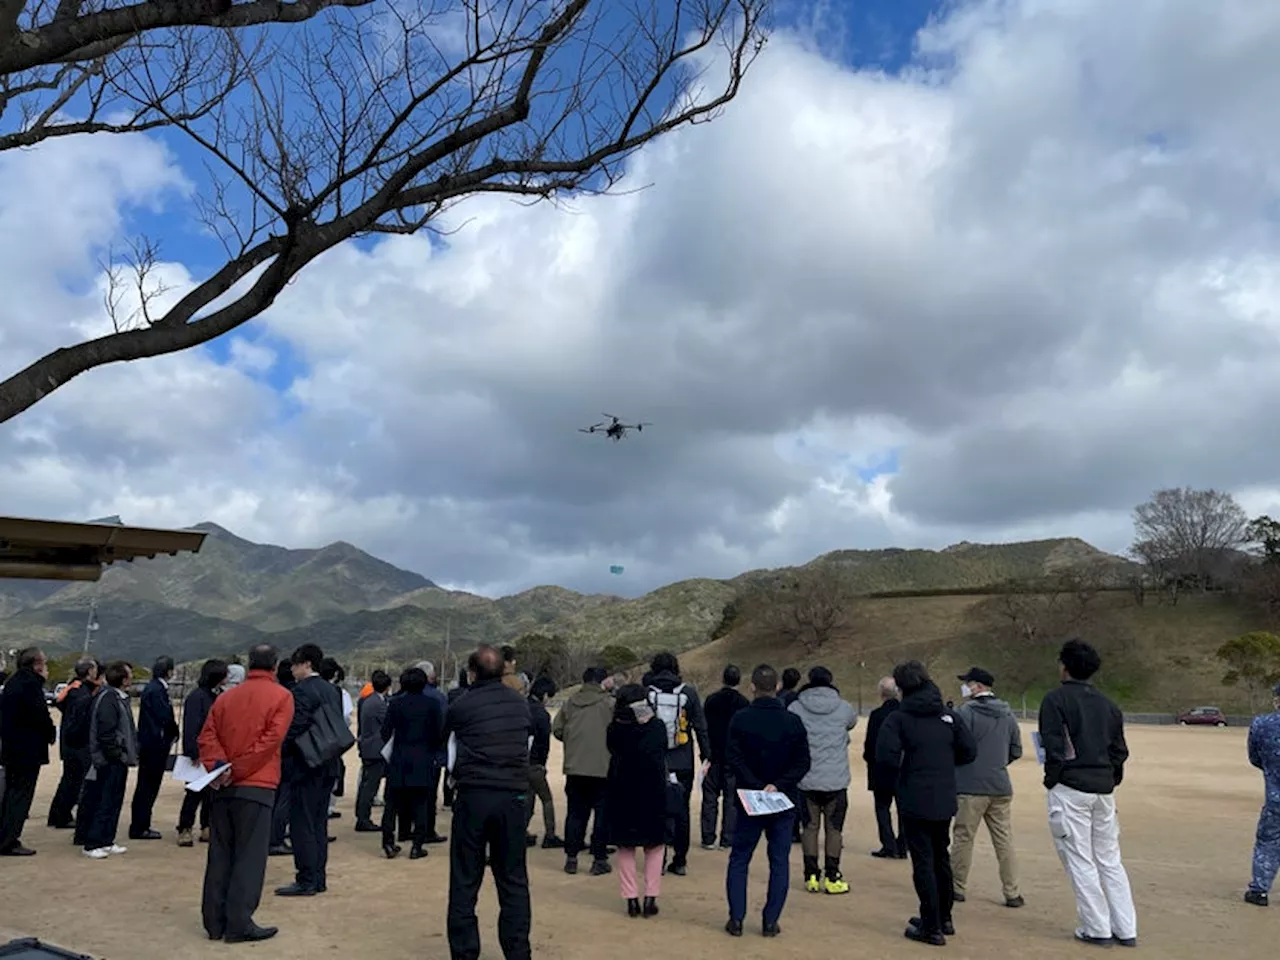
(91, 624)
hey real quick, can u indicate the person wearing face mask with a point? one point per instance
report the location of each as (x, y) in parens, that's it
(984, 792)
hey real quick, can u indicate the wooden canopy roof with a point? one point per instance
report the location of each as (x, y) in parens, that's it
(54, 550)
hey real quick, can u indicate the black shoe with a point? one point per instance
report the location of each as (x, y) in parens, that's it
(214, 936)
(322, 888)
(146, 835)
(1093, 941)
(1256, 897)
(650, 907)
(733, 928)
(552, 842)
(1125, 941)
(571, 865)
(70, 825)
(417, 852)
(282, 850)
(335, 814)
(726, 844)
(633, 907)
(252, 935)
(770, 930)
(919, 936)
(678, 868)
(530, 841)
(437, 838)
(332, 839)
(883, 854)
(948, 927)
(17, 850)
(365, 826)
(390, 851)
(295, 890)
(600, 867)
(958, 897)
(1015, 902)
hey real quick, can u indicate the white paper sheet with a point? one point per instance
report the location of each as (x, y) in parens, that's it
(186, 770)
(387, 748)
(757, 803)
(1035, 739)
(195, 786)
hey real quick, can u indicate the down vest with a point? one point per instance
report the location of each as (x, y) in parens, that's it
(827, 721)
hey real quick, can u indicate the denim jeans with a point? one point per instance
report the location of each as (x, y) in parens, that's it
(777, 829)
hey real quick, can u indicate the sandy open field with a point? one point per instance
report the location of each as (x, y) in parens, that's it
(1188, 809)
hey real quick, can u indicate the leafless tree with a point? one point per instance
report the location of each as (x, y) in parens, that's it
(326, 120)
(1190, 538)
(1018, 631)
(806, 605)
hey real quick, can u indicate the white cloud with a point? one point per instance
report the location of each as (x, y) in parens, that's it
(1037, 269)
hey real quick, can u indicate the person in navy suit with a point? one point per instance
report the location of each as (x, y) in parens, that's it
(157, 732)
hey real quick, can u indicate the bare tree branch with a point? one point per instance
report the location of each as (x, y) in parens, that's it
(377, 118)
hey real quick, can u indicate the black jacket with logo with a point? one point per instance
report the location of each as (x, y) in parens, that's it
(1082, 733)
(491, 726)
(926, 742)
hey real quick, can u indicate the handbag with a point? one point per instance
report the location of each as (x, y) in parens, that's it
(326, 739)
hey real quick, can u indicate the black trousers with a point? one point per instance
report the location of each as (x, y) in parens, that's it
(488, 824)
(191, 804)
(240, 834)
(15, 805)
(889, 840)
(409, 806)
(151, 771)
(75, 764)
(680, 823)
(309, 824)
(281, 813)
(103, 803)
(718, 794)
(927, 843)
(371, 774)
(586, 802)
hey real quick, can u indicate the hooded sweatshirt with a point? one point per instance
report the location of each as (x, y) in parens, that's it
(582, 725)
(827, 721)
(926, 742)
(995, 728)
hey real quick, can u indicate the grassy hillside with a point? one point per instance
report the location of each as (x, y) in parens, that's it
(235, 592)
(1157, 657)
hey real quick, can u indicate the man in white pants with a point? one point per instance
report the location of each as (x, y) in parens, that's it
(1082, 734)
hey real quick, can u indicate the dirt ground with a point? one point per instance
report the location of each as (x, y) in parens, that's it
(1188, 809)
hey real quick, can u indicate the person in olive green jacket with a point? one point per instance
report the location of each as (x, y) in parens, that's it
(582, 725)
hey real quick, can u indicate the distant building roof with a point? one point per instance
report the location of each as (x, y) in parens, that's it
(55, 550)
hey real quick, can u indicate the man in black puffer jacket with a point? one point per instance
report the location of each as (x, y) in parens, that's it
(926, 742)
(489, 731)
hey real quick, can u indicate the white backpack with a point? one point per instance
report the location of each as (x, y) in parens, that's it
(670, 708)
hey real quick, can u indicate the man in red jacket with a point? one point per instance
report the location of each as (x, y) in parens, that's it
(245, 728)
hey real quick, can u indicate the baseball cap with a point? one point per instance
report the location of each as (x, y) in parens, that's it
(978, 675)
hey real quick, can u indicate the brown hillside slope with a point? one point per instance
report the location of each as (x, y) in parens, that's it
(1157, 657)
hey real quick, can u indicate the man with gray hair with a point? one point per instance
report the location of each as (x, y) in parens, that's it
(442, 753)
(882, 780)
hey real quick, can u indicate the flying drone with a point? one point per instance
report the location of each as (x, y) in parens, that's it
(614, 430)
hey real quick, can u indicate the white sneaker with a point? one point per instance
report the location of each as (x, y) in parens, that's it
(116, 848)
(101, 853)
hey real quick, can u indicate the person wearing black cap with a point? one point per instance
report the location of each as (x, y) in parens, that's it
(984, 792)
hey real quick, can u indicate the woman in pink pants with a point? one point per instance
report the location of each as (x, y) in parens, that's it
(635, 798)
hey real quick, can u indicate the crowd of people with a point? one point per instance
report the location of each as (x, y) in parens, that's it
(773, 764)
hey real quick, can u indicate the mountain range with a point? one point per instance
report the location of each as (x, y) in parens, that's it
(234, 593)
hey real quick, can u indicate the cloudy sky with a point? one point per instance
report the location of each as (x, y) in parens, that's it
(990, 271)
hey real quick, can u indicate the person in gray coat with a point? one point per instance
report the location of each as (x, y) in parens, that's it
(373, 766)
(827, 721)
(984, 790)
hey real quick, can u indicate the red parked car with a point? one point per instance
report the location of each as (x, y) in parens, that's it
(1203, 717)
